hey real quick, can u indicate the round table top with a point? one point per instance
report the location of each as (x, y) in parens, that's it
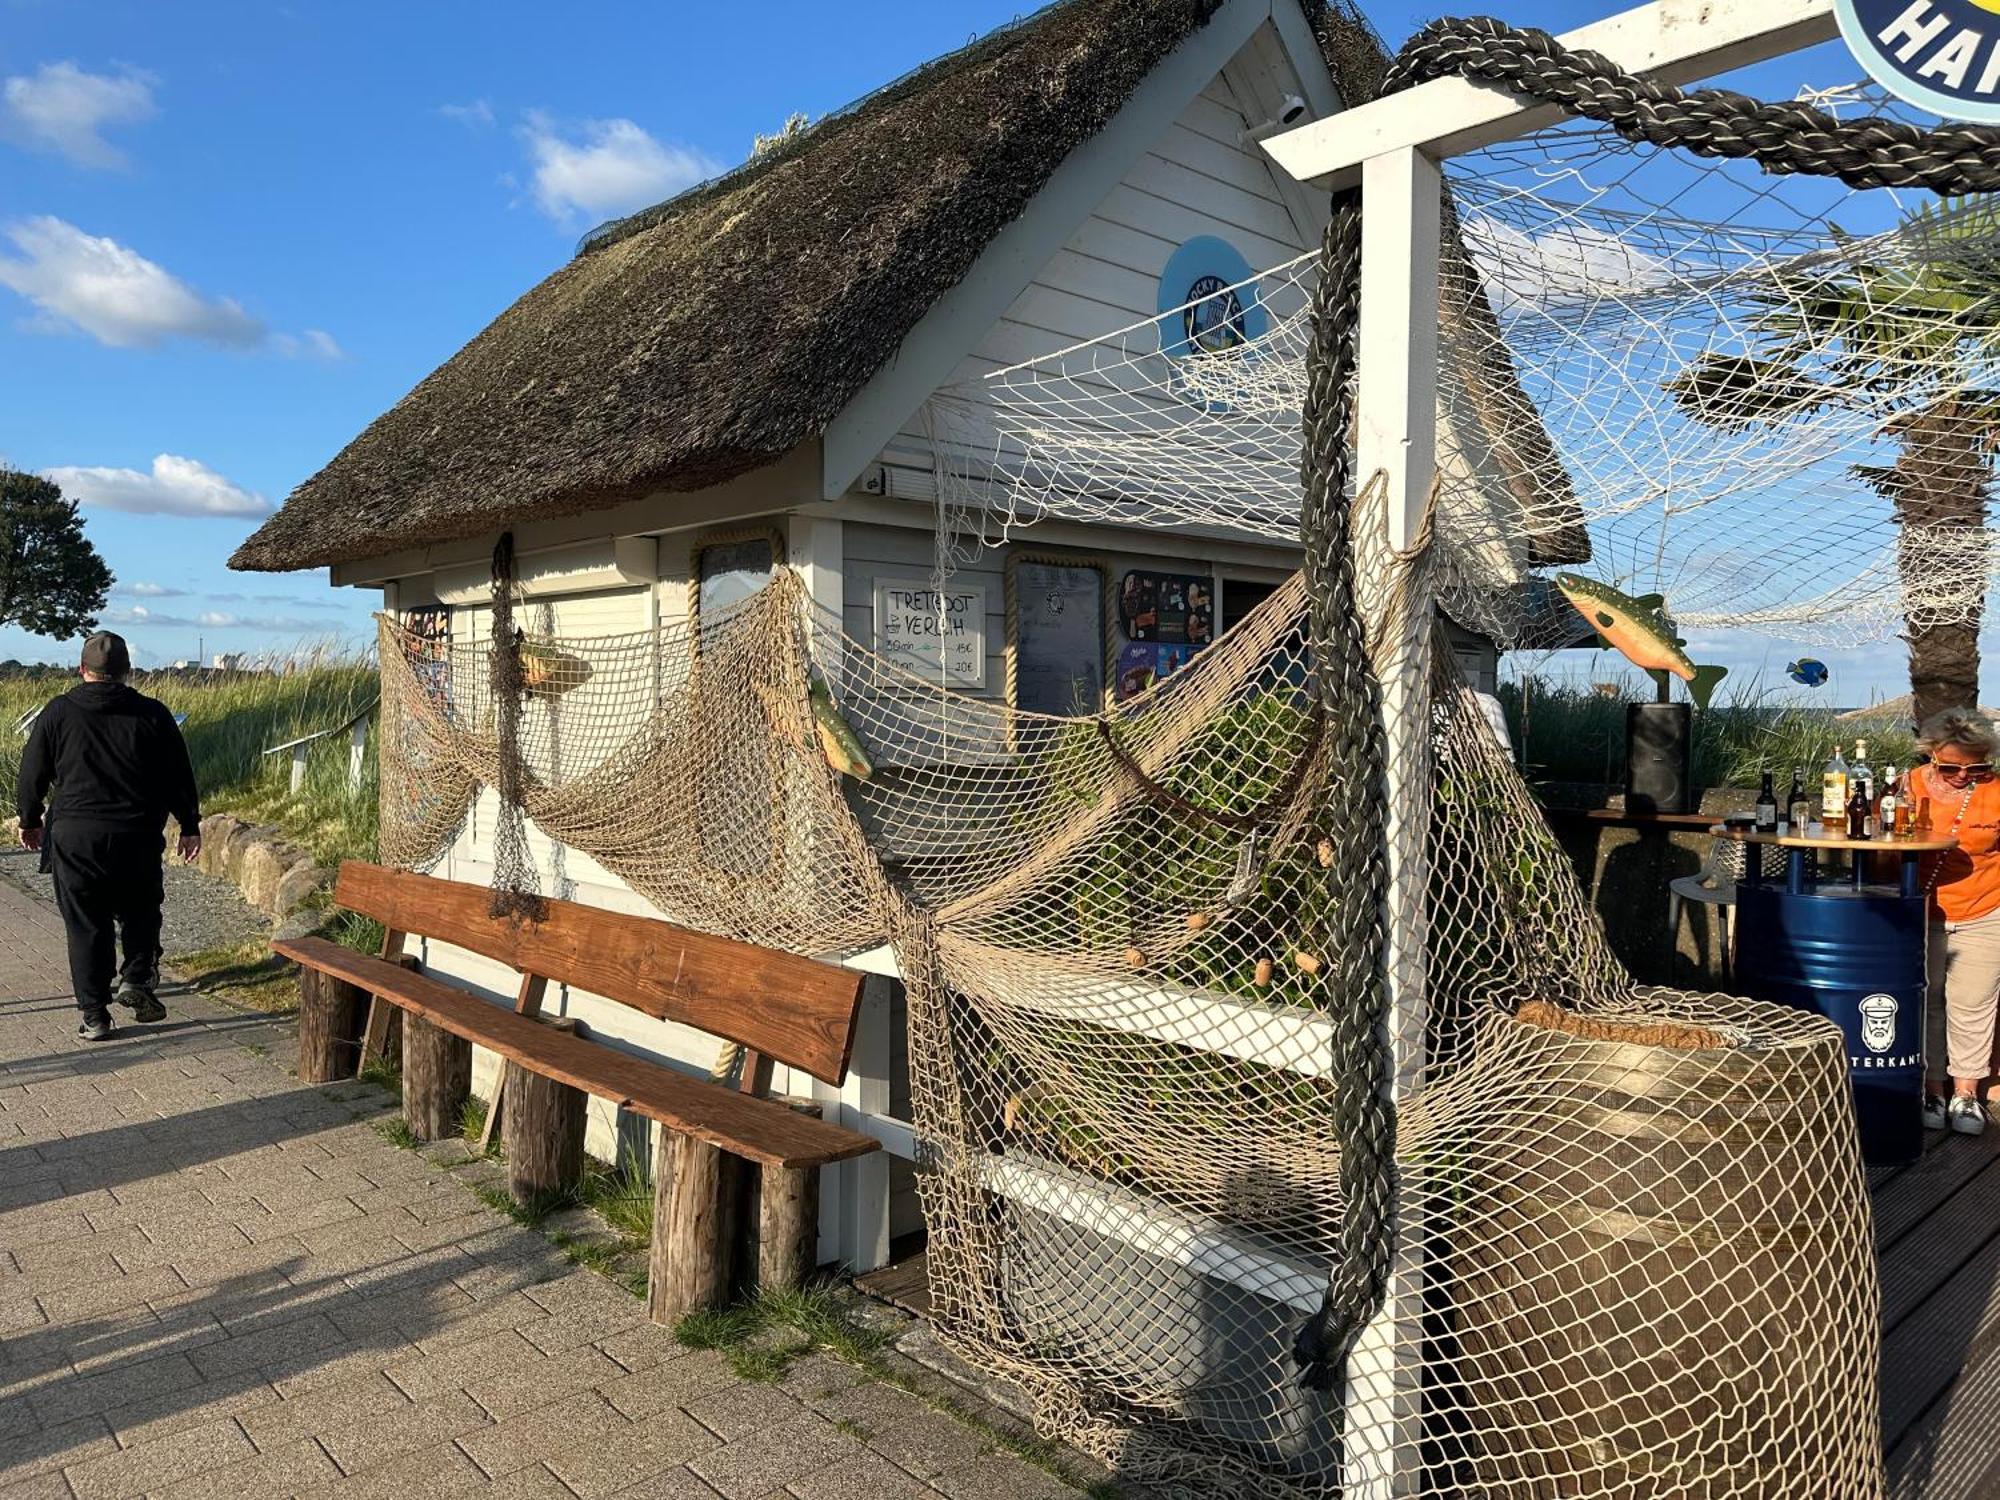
(1743, 835)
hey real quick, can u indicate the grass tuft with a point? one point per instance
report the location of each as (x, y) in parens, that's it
(397, 1133)
(472, 1120)
(383, 1074)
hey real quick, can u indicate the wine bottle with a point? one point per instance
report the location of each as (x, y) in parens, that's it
(1833, 795)
(1767, 807)
(1885, 805)
(1859, 774)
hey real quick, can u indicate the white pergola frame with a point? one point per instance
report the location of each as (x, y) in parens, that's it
(1393, 149)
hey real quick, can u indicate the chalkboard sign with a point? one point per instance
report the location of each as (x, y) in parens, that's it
(1058, 636)
(939, 634)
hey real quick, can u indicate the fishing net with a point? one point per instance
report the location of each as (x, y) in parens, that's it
(1773, 400)
(1237, 1222)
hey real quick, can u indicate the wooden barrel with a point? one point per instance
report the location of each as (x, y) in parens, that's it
(1661, 1272)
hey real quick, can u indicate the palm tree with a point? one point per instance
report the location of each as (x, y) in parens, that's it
(1915, 336)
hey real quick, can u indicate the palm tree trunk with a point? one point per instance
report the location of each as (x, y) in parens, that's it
(1939, 486)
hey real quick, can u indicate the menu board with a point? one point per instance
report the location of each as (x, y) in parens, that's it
(936, 634)
(1058, 637)
(1175, 609)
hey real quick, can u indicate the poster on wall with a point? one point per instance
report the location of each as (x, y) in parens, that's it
(1143, 663)
(936, 634)
(1175, 609)
(1058, 637)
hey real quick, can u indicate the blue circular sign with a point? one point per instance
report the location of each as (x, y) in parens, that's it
(1209, 302)
(1941, 54)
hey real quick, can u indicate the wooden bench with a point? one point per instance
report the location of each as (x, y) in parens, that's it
(781, 1008)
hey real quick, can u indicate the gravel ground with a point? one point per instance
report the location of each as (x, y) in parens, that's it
(202, 911)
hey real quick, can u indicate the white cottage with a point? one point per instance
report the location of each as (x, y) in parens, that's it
(734, 382)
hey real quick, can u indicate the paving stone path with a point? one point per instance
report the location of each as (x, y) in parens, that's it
(216, 1281)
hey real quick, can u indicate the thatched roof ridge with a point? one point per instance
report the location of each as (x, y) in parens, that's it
(706, 337)
(710, 336)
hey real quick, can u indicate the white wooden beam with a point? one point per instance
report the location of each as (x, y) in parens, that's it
(1402, 197)
(1672, 41)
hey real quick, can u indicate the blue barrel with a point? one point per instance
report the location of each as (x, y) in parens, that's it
(1857, 958)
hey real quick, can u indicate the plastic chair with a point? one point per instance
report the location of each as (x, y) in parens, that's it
(1715, 886)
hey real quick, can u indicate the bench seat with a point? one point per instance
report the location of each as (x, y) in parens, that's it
(760, 1130)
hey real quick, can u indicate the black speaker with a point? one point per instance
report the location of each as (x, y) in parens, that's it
(1658, 737)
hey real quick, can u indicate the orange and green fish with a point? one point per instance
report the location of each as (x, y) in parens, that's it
(1638, 629)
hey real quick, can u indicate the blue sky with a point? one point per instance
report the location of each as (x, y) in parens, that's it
(232, 234)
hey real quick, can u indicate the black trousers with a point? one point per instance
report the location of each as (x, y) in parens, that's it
(109, 888)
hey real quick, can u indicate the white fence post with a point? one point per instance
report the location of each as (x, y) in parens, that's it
(299, 753)
(357, 752)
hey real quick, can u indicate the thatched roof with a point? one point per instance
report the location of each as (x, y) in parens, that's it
(709, 336)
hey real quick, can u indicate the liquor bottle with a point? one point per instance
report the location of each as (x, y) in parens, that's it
(1798, 811)
(1833, 795)
(1860, 816)
(1859, 774)
(1885, 805)
(1767, 807)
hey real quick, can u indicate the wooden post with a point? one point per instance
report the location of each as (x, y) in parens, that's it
(437, 1079)
(692, 1235)
(787, 1220)
(527, 1002)
(544, 1130)
(384, 1034)
(331, 1015)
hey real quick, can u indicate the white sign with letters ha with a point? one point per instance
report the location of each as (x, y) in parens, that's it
(939, 636)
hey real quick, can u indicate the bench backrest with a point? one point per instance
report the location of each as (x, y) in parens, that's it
(797, 1011)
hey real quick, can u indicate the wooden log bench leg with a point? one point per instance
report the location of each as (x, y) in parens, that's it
(693, 1238)
(332, 1013)
(542, 1131)
(437, 1079)
(787, 1227)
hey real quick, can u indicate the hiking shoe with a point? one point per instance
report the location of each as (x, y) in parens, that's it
(143, 1003)
(95, 1029)
(1966, 1115)
(1935, 1115)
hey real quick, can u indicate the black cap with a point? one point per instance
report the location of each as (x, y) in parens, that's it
(105, 655)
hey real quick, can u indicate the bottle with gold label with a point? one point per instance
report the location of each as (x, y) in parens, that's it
(1833, 795)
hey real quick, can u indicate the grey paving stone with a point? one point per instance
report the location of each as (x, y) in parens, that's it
(863, 1476)
(268, 1346)
(579, 1421)
(282, 1470)
(694, 1374)
(742, 1409)
(136, 1471)
(438, 1472)
(338, 1405)
(423, 1424)
(117, 1386)
(50, 1486)
(930, 1444)
(491, 1356)
(776, 1456)
(641, 1450)
(151, 1418)
(524, 1386)
(674, 1484)
(1002, 1477)
(51, 1448)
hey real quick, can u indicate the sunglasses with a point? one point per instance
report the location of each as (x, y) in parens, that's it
(1977, 772)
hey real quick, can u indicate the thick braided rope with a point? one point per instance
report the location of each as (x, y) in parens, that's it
(514, 893)
(1355, 753)
(1783, 137)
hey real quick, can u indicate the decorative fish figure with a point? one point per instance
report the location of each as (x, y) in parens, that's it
(1807, 672)
(1637, 628)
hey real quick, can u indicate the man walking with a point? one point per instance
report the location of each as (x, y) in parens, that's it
(120, 767)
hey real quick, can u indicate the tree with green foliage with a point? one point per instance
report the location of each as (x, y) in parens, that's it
(1917, 335)
(52, 581)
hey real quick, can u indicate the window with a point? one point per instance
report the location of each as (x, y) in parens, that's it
(1055, 633)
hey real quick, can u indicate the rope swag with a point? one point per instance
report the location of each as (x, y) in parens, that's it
(515, 884)
(1782, 138)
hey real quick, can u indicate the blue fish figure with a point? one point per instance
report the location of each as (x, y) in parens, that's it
(1807, 672)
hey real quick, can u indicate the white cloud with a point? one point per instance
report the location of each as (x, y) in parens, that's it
(63, 109)
(478, 114)
(115, 294)
(148, 590)
(1568, 266)
(314, 343)
(175, 487)
(598, 169)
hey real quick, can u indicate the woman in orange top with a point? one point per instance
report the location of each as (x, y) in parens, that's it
(1957, 795)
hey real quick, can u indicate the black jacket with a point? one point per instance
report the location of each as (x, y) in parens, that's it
(117, 758)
